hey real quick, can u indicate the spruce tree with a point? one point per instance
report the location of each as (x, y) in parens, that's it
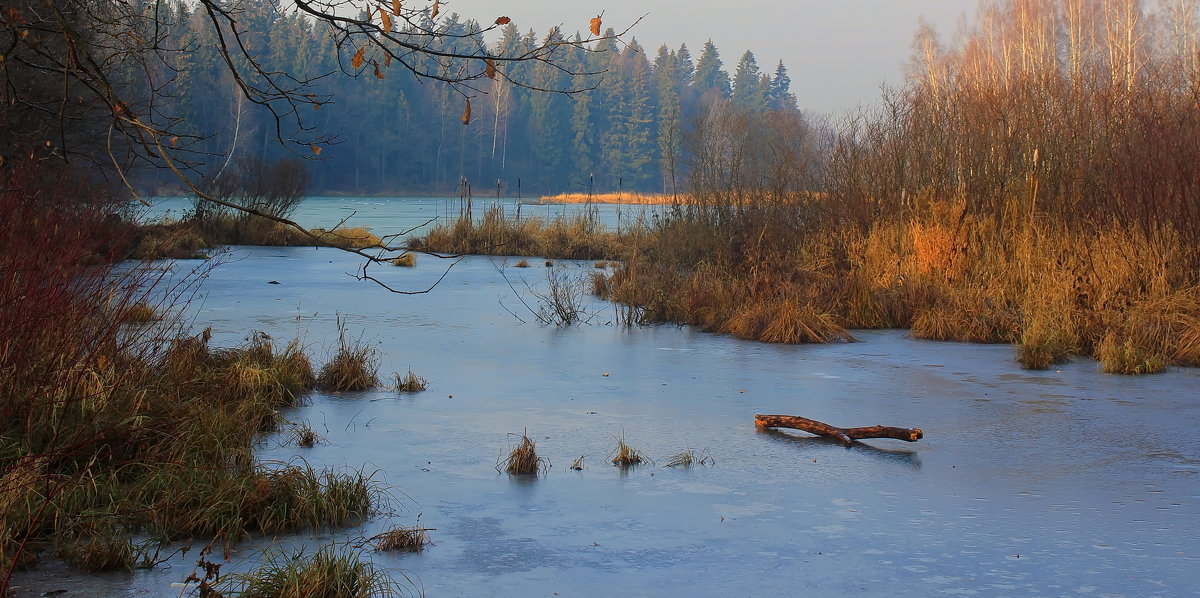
(709, 72)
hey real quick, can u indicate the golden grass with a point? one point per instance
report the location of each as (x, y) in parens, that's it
(625, 456)
(1050, 290)
(402, 539)
(689, 458)
(523, 459)
(139, 312)
(1118, 357)
(623, 198)
(580, 236)
(522, 264)
(407, 259)
(348, 238)
(409, 382)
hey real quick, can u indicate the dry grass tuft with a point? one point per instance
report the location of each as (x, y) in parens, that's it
(624, 198)
(578, 464)
(348, 238)
(406, 260)
(625, 456)
(354, 367)
(1127, 358)
(522, 264)
(689, 458)
(409, 382)
(139, 313)
(303, 435)
(523, 459)
(600, 285)
(332, 572)
(402, 539)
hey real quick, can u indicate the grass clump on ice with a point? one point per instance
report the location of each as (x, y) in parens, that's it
(523, 459)
(409, 382)
(625, 456)
(402, 539)
(355, 365)
(334, 571)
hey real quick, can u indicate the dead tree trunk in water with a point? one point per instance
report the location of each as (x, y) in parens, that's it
(846, 435)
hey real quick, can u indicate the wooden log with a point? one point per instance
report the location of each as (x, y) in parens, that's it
(846, 435)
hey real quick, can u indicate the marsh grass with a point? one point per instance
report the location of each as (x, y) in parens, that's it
(302, 434)
(141, 312)
(523, 459)
(522, 264)
(625, 456)
(402, 539)
(791, 274)
(580, 237)
(578, 464)
(354, 366)
(407, 259)
(334, 571)
(409, 382)
(109, 431)
(689, 458)
(348, 238)
(1125, 357)
(631, 198)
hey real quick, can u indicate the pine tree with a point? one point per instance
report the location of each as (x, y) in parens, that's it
(748, 91)
(779, 95)
(709, 72)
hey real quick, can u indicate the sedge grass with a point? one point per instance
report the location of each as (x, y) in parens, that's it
(333, 571)
(409, 382)
(407, 259)
(625, 456)
(354, 366)
(523, 459)
(402, 539)
(689, 458)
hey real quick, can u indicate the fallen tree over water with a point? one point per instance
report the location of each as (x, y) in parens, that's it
(846, 435)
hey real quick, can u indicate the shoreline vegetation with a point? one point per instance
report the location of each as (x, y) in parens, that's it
(120, 431)
(628, 198)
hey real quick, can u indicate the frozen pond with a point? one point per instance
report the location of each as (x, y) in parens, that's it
(1059, 483)
(396, 215)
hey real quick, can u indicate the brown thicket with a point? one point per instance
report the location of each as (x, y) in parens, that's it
(1036, 183)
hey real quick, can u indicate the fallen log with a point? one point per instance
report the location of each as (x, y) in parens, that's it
(846, 435)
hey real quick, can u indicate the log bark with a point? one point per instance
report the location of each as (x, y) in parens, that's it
(846, 435)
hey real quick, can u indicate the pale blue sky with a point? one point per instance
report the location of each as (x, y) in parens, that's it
(837, 51)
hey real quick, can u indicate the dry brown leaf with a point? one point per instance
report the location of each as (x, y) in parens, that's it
(316, 149)
(386, 18)
(378, 73)
(174, 141)
(503, 21)
(358, 57)
(396, 7)
(387, 61)
(595, 25)
(467, 113)
(436, 8)
(490, 70)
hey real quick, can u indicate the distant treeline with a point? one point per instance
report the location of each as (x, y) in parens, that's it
(625, 131)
